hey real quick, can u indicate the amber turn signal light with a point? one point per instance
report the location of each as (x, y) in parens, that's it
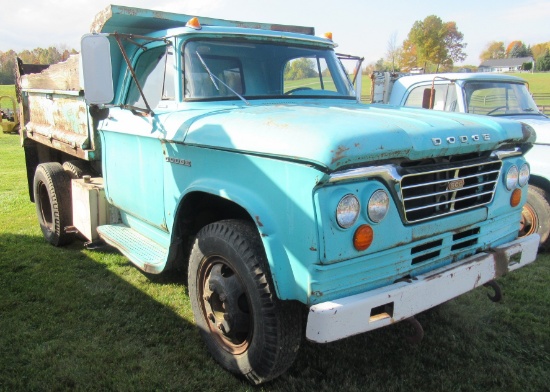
(363, 237)
(515, 198)
(194, 23)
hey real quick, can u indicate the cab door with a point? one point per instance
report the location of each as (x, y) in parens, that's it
(132, 155)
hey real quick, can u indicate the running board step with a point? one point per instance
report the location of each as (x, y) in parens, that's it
(144, 253)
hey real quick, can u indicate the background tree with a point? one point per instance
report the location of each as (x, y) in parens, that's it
(453, 42)
(494, 50)
(393, 52)
(7, 67)
(539, 49)
(409, 56)
(517, 49)
(49, 55)
(435, 42)
(301, 68)
(543, 62)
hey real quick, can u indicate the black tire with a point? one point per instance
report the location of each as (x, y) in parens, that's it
(535, 216)
(77, 169)
(52, 197)
(246, 328)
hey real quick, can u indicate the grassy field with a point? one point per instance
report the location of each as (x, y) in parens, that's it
(75, 319)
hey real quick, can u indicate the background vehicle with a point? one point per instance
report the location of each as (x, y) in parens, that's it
(495, 95)
(9, 121)
(239, 152)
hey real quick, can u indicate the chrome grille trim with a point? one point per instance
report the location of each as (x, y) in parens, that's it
(426, 195)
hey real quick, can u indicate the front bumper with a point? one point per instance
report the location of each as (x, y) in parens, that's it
(338, 319)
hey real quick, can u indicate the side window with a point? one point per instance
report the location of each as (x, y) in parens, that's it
(155, 73)
(444, 97)
(307, 73)
(415, 97)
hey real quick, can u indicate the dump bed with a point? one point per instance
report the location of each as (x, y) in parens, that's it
(53, 111)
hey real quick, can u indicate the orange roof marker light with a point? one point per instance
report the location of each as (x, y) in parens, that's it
(328, 35)
(194, 23)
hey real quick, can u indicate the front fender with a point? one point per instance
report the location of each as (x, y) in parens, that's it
(276, 195)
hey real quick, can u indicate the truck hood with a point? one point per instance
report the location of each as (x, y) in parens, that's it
(339, 136)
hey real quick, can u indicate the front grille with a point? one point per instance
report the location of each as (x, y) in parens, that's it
(432, 250)
(448, 190)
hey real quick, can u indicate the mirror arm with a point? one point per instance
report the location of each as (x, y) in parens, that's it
(129, 64)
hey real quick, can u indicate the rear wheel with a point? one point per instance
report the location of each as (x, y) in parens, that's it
(535, 216)
(246, 328)
(52, 197)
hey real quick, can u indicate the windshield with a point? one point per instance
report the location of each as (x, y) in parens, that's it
(259, 70)
(499, 98)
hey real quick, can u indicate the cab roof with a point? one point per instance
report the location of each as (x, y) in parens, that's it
(409, 80)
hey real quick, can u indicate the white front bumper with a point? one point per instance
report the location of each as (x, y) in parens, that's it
(334, 320)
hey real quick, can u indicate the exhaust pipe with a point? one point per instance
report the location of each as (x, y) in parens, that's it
(418, 331)
(496, 288)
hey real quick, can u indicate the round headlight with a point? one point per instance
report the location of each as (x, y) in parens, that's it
(378, 206)
(512, 177)
(523, 174)
(347, 211)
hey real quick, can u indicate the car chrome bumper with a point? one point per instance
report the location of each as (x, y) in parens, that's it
(338, 319)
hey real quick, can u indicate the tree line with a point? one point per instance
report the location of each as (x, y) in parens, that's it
(517, 49)
(49, 55)
(435, 46)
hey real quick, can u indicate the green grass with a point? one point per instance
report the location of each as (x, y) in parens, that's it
(74, 319)
(7, 90)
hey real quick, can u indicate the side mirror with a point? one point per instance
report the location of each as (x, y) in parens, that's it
(428, 98)
(358, 85)
(97, 69)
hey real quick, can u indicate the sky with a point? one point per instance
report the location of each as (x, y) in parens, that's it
(360, 27)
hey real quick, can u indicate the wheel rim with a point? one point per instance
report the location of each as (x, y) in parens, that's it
(45, 207)
(529, 221)
(225, 305)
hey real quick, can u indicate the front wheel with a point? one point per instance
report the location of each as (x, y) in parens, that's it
(246, 328)
(535, 216)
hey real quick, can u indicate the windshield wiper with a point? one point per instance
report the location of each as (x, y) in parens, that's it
(213, 78)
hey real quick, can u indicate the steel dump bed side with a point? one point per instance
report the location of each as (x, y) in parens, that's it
(116, 18)
(53, 110)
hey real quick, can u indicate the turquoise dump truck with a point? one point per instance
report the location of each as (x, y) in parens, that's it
(239, 152)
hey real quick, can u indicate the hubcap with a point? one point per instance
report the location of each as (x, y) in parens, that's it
(529, 221)
(225, 305)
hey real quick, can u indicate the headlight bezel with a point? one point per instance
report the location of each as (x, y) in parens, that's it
(347, 211)
(378, 205)
(524, 174)
(511, 178)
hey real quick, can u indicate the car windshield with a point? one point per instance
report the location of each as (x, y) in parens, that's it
(499, 98)
(215, 69)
